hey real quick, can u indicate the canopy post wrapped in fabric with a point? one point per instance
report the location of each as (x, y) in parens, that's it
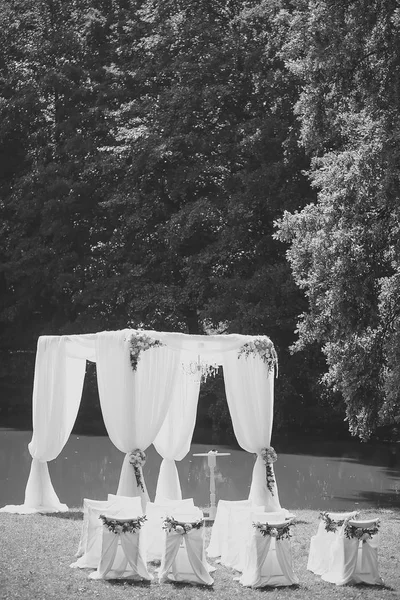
(175, 436)
(134, 401)
(249, 386)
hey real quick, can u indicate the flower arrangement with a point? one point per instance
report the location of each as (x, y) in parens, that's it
(331, 525)
(279, 533)
(137, 459)
(170, 524)
(140, 342)
(122, 525)
(269, 456)
(360, 533)
(264, 348)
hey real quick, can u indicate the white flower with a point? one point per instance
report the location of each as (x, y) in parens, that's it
(179, 529)
(273, 532)
(188, 527)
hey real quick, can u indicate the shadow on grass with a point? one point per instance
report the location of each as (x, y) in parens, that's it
(72, 515)
(267, 589)
(128, 583)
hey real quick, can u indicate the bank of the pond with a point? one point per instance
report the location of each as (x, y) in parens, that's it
(36, 551)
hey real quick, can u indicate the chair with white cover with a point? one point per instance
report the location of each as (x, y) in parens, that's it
(89, 549)
(321, 543)
(219, 528)
(122, 553)
(269, 557)
(237, 534)
(354, 554)
(153, 532)
(183, 558)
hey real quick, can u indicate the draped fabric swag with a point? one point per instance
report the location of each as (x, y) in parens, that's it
(156, 403)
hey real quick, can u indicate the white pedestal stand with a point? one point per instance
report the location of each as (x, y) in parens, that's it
(212, 462)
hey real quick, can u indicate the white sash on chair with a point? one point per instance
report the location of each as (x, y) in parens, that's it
(183, 558)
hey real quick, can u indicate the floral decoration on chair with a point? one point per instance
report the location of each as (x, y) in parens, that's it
(122, 526)
(269, 456)
(137, 459)
(170, 524)
(279, 533)
(361, 533)
(264, 348)
(140, 342)
(331, 525)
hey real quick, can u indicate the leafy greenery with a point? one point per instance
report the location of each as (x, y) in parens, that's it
(344, 247)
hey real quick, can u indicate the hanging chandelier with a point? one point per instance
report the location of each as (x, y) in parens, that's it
(200, 370)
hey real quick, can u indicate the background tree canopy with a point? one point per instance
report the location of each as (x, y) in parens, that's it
(147, 149)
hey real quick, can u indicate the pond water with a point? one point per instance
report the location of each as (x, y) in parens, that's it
(310, 474)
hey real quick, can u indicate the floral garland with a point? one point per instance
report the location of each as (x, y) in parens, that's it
(122, 526)
(265, 350)
(170, 524)
(137, 459)
(140, 342)
(279, 533)
(360, 533)
(269, 456)
(331, 525)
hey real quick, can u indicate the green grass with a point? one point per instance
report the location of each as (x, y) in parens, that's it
(36, 551)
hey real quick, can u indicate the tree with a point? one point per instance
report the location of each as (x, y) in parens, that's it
(344, 248)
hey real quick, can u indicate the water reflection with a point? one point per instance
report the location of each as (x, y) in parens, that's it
(317, 475)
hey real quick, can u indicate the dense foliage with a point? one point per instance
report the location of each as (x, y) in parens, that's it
(345, 247)
(147, 148)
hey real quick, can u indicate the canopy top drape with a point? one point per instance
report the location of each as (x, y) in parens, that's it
(210, 348)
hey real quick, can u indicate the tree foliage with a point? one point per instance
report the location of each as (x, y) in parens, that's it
(344, 248)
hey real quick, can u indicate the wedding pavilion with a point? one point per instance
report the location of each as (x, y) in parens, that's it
(148, 384)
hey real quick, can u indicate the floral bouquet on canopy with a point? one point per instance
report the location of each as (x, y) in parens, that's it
(137, 459)
(269, 456)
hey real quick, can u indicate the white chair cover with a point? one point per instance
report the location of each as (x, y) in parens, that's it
(218, 531)
(89, 549)
(237, 535)
(122, 556)
(353, 560)
(268, 561)
(152, 530)
(321, 543)
(183, 557)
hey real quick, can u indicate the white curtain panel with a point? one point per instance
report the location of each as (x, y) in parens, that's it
(249, 390)
(134, 404)
(57, 391)
(175, 436)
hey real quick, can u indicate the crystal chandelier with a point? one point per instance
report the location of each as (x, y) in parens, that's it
(200, 370)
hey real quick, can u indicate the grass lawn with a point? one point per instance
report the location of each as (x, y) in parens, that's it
(36, 551)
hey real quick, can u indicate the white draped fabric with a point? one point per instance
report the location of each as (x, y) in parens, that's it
(183, 557)
(175, 436)
(353, 561)
(321, 543)
(134, 404)
(156, 403)
(250, 394)
(57, 390)
(268, 562)
(122, 557)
